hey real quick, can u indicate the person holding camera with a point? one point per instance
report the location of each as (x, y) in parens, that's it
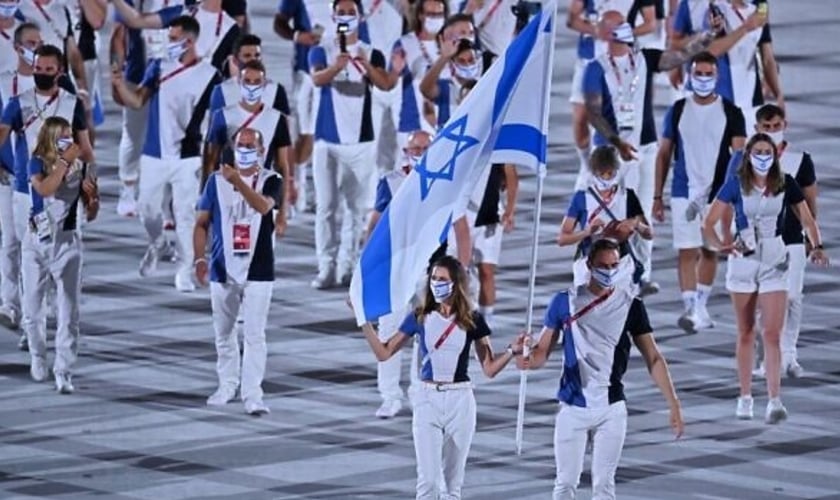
(760, 194)
(596, 323)
(604, 209)
(52, 248)
(700, 134)
(344, 158)
(237, 203)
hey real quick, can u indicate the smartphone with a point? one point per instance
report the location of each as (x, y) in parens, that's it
(227, 157)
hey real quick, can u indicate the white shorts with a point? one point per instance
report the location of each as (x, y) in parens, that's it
(688, 234)
(304, 103)
(576, 92)
(486, 241)
(764, 272)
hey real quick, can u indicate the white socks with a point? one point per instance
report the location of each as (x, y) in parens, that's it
(688, 297)
(703, 293)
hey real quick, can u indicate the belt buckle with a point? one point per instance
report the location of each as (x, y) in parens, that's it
(440, 388)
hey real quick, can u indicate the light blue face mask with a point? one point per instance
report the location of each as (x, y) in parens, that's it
(28, 55)
(761, 164)
(247, 157)
(63, 143)
(605, 277)
(352, 23)
(251, 94)
(703, 86)
(602, 184)
(8, 9)
(175, 50)
(441, 289)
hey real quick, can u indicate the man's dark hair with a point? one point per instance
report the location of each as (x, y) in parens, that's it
(255, 65)
(704, 57)
(51, 51)
(768, 112)
(18, 37)
(188, 25)
(603, 158)
(246, 40)
(602, 245)
(457, 18)
(357, 2)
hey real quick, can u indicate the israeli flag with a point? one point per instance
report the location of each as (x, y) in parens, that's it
(503, 120)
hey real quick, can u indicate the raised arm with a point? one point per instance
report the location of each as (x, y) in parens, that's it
(676, 57)
(134, 19)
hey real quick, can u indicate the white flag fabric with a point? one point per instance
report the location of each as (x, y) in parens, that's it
(500, 121)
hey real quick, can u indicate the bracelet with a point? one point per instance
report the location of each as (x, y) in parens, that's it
(199, 260)
(819, 247)
(510, 350)
(657, 197)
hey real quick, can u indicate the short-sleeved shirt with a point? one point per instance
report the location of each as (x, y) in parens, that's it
(702, 135)
(597, 345)
(420, 55)
(22, 115)
(801, 167)
(62, 206)
(53, 19)
(344, 113)
(305, 15)
(9, 62)
(584, 209)
(218, 34)
(179, 102)
(450, 361)
(261, 267)
(625, 83)
(761, 209)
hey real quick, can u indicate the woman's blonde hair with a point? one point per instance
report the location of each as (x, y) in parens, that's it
(461, 306)
(775, 177)
(45, 147)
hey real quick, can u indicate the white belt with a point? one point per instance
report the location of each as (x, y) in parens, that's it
(446, 386)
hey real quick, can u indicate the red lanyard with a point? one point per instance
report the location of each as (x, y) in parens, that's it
(489, 14)
(40, 111)
(445, 335)
(176, 72)
(218, 20)
(607, 201)
(589, 307)
(5, 35)
(15, 85)
(249, 120)
(737, 13)
(43, 12)
(618, 74)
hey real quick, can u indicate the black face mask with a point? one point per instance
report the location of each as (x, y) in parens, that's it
(43, 81)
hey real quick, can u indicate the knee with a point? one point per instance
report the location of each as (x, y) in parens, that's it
(427, 487)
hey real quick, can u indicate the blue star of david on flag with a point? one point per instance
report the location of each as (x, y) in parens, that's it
(454, 133)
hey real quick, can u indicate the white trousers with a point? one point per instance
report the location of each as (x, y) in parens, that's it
(9, 251)
(573, 425)
(796, 279)
(182, 176)
(389, 373)
(131, 142)
(640, 176)
(443, 428)
(342, 172)
(385, 104)
(254, 300)
(60, 260)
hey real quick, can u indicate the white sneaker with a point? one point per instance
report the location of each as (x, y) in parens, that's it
(148, 264)
(324, 280)
(222, 396)
(183, 281)
(38, 369)
(389, 408)
(686, 322)
(9, 318)
(702, 320)
(776, 412)
(256, 407)
(794, 369)
(127, 205)
(63, 383)
(744, 410)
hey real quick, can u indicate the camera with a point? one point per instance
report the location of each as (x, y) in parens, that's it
(523, 11)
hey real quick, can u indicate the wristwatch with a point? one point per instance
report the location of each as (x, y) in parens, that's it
(510, 350)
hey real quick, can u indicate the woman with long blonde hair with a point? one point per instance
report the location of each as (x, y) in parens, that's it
(446, 324)
(52, 248)
(760, 194)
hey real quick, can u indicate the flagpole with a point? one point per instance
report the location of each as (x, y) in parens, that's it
(532, 279)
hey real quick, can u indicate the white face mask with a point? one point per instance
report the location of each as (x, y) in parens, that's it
(605, 277)
(352, 23)
(28, 55)
(433, 25)
(246, 157)
(471, 72)
(441, 289)
(761, 164)
(175, 50)
(602, 184)
(624, 33)
(63, 143)
(703, 86)
(777, 136)
(251, 94)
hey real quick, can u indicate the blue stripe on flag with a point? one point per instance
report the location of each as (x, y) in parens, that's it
(521, 137)
(375, 264)
(444, 235)
(515, 58)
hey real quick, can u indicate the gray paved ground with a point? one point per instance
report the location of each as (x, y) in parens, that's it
(138, 427)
